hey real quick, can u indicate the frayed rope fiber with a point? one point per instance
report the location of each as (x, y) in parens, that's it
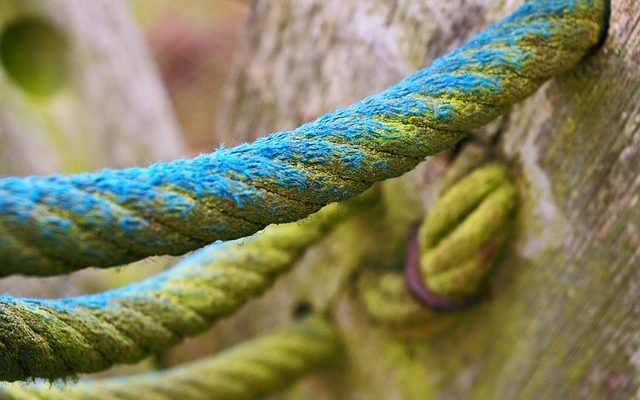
(63, 337)
(56, 224)
(250, 370)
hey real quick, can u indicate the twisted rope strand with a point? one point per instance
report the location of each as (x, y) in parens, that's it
(61, 337)
(250, 370)
(56, 224)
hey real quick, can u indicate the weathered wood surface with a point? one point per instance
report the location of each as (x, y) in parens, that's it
(562, 318)
(111, 109)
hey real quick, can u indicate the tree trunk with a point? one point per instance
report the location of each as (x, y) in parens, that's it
(561, 320)
(100, 101)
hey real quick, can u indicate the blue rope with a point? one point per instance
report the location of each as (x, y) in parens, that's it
(56, 224)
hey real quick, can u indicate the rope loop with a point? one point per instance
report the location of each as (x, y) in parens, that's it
(462, 237)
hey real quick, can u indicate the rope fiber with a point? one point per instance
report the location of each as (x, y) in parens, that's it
(57, 224)
(247, 371)
(462, 237)
(63, 337)
(60, 223)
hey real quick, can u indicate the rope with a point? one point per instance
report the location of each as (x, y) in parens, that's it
(250, 370)
(450, 254)
(61, 337)
(386, 300)
(462, 237)
(56, 224)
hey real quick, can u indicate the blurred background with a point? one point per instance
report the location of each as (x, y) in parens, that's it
(193, 43)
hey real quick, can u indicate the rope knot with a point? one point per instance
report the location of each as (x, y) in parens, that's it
(461, 238)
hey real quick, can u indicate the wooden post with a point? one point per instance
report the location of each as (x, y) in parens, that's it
(562, 317)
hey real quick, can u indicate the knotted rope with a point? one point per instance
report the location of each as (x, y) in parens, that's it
(462, 237)
(62, 337)
(250, 370)
(451, 253)
(55, 224)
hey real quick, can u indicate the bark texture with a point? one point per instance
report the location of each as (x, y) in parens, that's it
(561, 319)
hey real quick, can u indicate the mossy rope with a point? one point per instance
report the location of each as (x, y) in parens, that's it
(250, 370)
(56, 224)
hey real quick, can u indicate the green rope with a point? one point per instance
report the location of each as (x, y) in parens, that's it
(246, 371)
(450, 255)
(386, 299)
(62, 337)
(462, 237)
